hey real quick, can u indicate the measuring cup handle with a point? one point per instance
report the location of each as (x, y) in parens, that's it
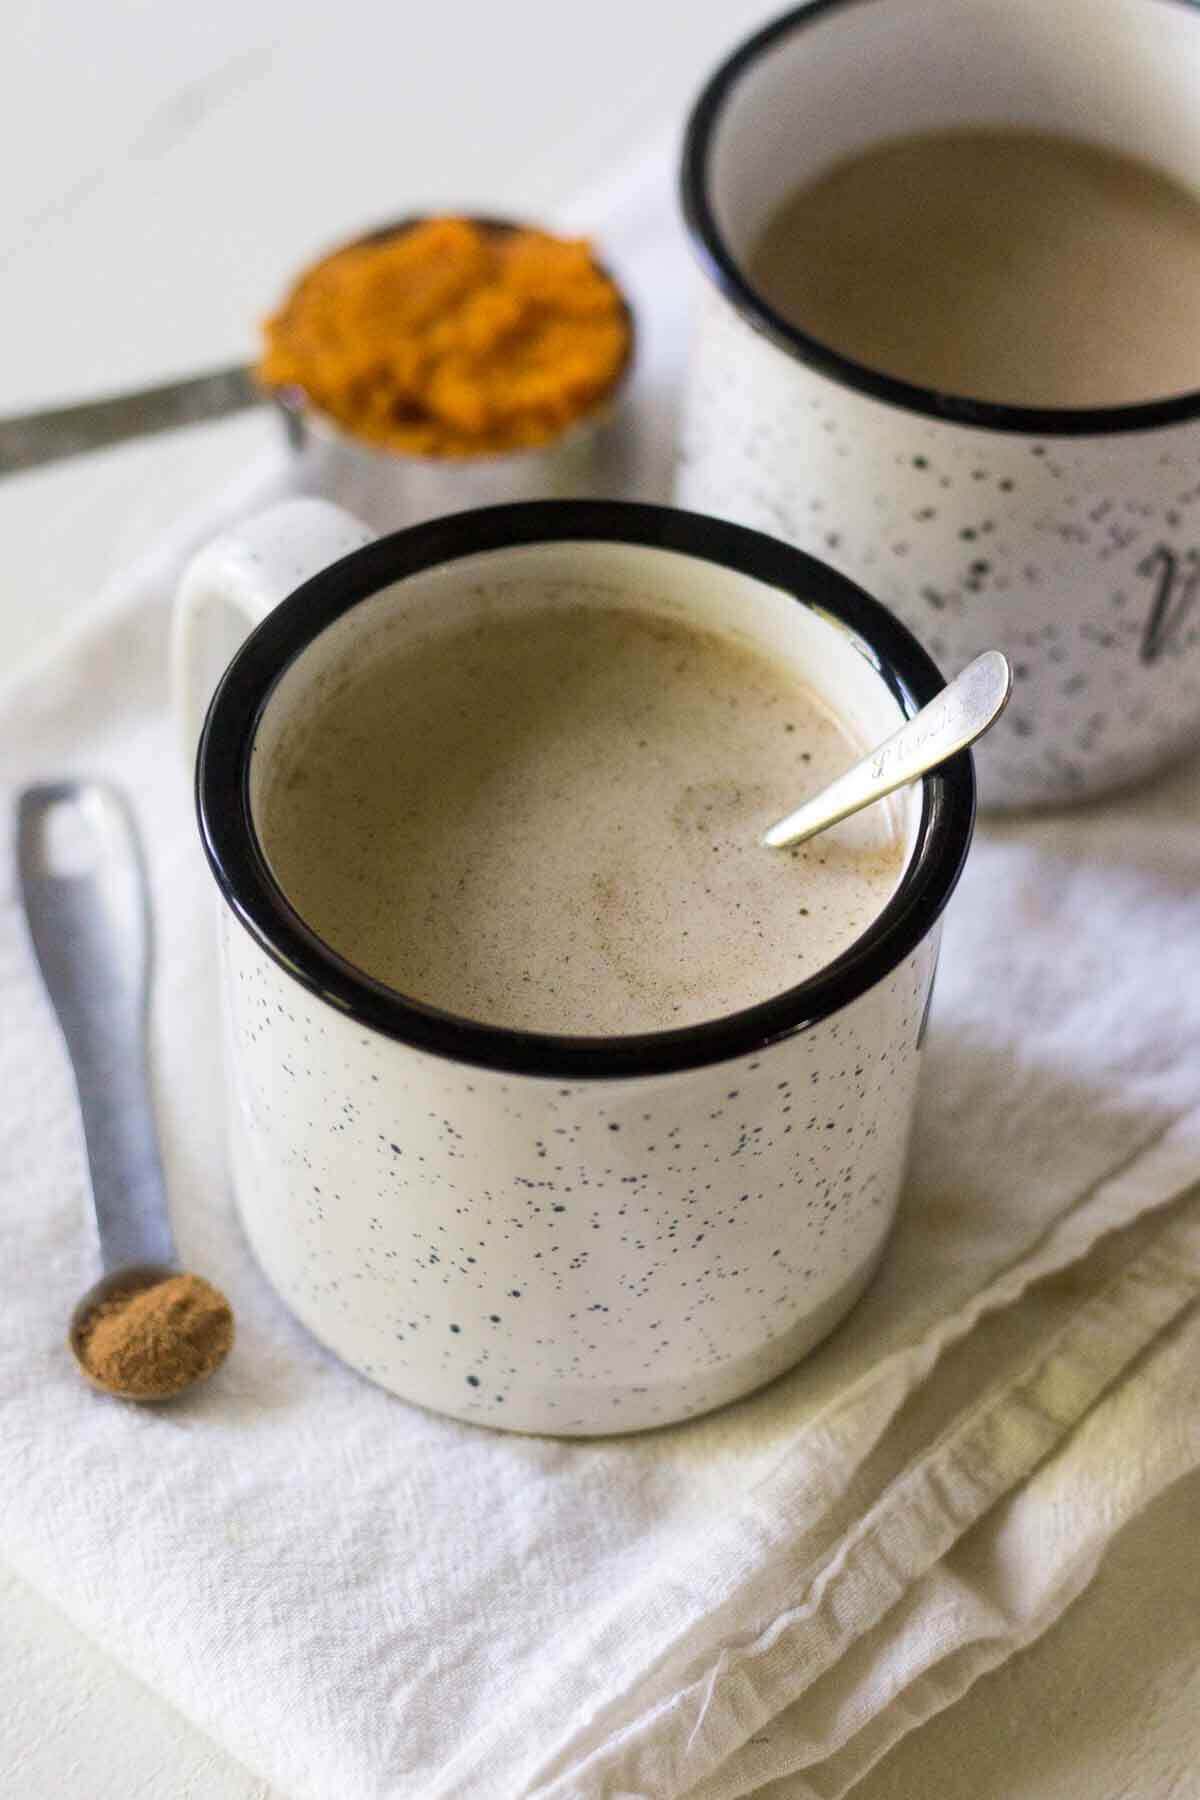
(234, 582)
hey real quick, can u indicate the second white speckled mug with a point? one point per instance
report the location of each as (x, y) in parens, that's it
(1068, 538)
(574, 1235)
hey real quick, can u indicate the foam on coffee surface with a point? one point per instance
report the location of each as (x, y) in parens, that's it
(1008, 265)
(550, 820)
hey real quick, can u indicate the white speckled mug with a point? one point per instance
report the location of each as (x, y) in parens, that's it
(564, 1234)
(1068, 538)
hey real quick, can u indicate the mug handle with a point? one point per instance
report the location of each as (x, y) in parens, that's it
(231, 585)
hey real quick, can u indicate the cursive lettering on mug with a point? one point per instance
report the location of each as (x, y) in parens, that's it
(1176, 579)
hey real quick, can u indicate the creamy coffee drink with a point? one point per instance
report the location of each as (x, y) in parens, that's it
(1004, 265)
(549, 820)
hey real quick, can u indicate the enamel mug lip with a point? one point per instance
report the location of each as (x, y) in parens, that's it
(723, 269)
(244, 878)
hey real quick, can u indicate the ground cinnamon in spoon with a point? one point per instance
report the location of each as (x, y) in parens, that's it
(149, 1343)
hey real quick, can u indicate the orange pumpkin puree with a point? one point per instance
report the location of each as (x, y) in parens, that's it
(451, 338)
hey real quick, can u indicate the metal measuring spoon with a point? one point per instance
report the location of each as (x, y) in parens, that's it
(961, 713)
(28, 440)
(86, 903)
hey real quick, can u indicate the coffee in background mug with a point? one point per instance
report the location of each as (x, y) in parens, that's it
(556, 1102)
(951, 341)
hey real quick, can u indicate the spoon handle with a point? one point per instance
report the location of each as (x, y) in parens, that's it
(960, 714)
(29, 439)
(85, 898)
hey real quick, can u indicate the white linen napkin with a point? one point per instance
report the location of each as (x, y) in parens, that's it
(360, 1599)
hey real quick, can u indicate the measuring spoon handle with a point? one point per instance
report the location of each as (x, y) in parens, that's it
(86, 903)
(29, 439)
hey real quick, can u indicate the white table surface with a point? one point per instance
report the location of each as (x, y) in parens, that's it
(162, 169)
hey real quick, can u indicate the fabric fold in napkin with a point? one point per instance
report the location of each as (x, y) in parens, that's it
(360, 1599)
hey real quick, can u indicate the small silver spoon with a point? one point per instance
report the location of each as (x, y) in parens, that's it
(961, 713)
(85, 898)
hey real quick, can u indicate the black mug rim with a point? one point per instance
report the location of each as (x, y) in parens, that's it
(242, 874)
(725, 272)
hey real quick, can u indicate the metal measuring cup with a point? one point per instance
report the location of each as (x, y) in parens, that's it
(386, 488)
